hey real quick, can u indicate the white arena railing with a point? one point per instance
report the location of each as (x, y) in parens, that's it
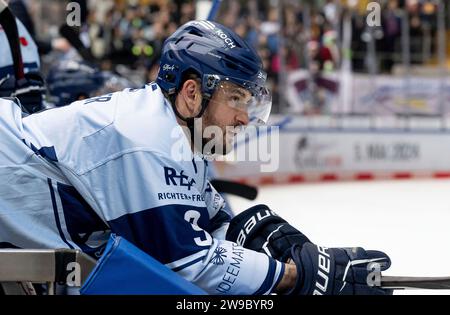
(19, 268)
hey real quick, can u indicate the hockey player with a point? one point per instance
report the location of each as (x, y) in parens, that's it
(19, 63)
(72, 80)
(128, 163)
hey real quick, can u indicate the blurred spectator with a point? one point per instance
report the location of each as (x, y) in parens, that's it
(300, 35)
(391, 24)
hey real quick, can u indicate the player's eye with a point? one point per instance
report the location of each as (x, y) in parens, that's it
(238, 102)
(236, 99)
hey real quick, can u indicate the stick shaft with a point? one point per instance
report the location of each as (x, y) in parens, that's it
(3, 5)
(237, 189)
(436, 283)
(8, 22)
(214, 9)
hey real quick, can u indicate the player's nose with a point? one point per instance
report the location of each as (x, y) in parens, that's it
(242, 118)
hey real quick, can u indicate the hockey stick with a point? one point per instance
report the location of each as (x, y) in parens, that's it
(28, 88)
(214, 9)
(436, 283)
(74, 39)
(8, 22)
(234, 188)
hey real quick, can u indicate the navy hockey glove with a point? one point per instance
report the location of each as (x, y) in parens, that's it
(337, 271)
(262, 230)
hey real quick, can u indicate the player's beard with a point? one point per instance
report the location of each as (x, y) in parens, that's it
(218, 144)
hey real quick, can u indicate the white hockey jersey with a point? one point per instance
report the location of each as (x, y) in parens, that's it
(28, 49)
(117, 163)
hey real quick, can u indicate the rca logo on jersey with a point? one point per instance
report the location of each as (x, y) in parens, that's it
(172, 178)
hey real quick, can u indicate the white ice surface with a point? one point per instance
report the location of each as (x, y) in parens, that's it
(409, 220)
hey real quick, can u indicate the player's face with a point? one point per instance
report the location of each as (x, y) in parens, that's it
(226, 110)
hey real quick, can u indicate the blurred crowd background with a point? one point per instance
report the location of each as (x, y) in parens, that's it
(319, 37)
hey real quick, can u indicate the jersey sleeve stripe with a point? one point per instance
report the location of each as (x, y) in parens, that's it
(280, 276)
(55, 211)
(268, 281)
(186, 260)
(179, 268)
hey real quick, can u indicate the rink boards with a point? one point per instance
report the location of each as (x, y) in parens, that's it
(304, 149)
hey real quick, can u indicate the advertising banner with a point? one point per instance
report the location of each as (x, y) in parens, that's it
(312, 151)
(379, 94)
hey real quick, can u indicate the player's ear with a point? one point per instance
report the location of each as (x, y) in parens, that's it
(191, 95)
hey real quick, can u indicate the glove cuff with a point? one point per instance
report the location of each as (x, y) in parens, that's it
(295, 255)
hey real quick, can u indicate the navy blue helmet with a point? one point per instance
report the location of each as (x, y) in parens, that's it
(70, 81)
(216, 54)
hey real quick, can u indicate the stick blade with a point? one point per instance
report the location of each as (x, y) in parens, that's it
(435, 283)
(234, 188)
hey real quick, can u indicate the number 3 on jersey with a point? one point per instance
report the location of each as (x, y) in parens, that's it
(192, 217)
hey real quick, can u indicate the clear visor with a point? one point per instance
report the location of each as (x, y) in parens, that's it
(249, 99)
